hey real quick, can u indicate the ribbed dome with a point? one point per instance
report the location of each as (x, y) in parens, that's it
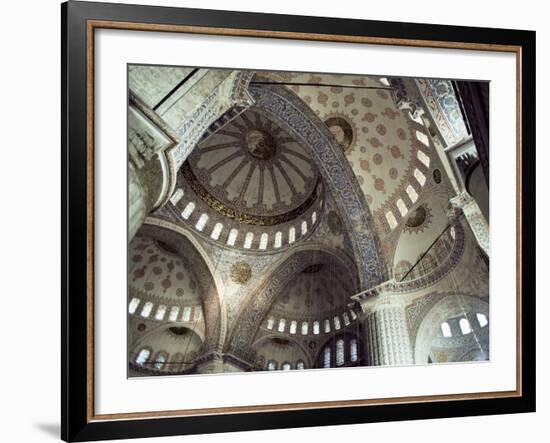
(254, 171)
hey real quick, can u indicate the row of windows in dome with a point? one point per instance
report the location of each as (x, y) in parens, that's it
(316, 325)
(272, 365)
(464, 325)
(160, 361)
(411, 191)
(234, 233)
(188, 313)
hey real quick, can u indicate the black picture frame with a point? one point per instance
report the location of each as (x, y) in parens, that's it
(77, 423)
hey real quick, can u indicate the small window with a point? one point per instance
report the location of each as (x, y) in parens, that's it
(401, 206)
(146, 311)
(326, 357)
(423, 158)
(313, 217)
(201, 222)
(446, 329)
(423, 138)
(420, 177)
(278, 239)
(482, 319)
(392, 221)
(188, 210)
(248, 240)
(286, 367)
(176, 196)
(293, 326)
(411, 192)
(160, 360)
(316, 327)
(340, 352)
(305, 326)
(232, 237)
(353, 349)
(465, 326)
(186, 315)
(143, 356)
(327, 326)
(161, 312)
(282, 324)
(292, 235)
(133, 305)
(271, 365)
(346, 318)
(263, 241)
(174, 313)
(304, 227)
(337, 324)
(353, 314)
(270, 323)
(216, 232)
(300, 364)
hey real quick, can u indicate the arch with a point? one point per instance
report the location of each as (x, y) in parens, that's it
(443, 307)
(214, 309)
(305, 357)
(291, 113)
(260, 298)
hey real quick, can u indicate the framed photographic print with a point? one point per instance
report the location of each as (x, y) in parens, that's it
(282, 221)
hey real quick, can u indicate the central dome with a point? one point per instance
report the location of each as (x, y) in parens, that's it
(254, 171)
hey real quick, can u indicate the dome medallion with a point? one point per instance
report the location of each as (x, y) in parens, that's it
(260, 144)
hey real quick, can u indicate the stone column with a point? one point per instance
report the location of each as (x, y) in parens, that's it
(479, 226)
(387, 340)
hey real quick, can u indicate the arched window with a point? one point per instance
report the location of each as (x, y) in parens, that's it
(345, 316)
(316, 327)
(271, 365)
(390, 218)
(198, 312)
(300, 364)
(142, 357)
(186, 213)
(248, 240)
(292, 235)
(278, 239)
(482, 319)
(401, 206)
(146, 311)
(313, 217)
(160, 360)
(465, 326)
(232, 237)
(270, 322)
(286, 366)
(423, 158)
(337, 325)
(326, 357)
(353, 350)
(420, 177)
(282, 324)
(340, 357)
(186, 314)
(293, 326)
(305, 327)
(216, 232)
(133, 305)
(327, 326)
(176, 196)
(353, 314)
(304, 227)
(201, 222)
(174, 313)
(263, 240)
(161, 312)
(411, 192)
(446, 329)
